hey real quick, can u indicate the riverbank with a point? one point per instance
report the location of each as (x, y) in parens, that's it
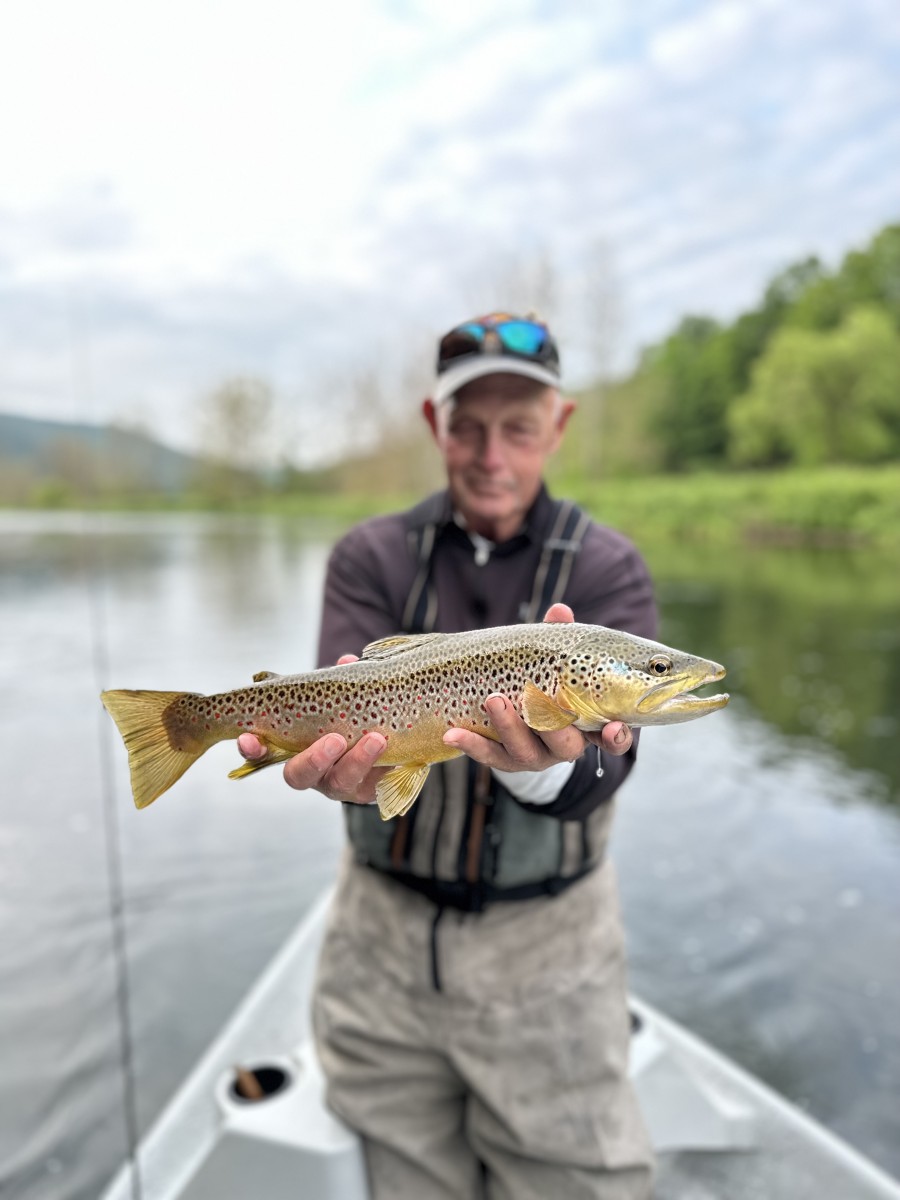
(833, 506)
(829, 506)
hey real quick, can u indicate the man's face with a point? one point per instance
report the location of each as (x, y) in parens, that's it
(495, 439)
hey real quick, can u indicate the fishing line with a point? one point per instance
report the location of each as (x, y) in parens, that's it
(92, 565)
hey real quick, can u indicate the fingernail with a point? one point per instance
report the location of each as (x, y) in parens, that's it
(375, 743)
(495, 705)
(621, 736)
(333, 746)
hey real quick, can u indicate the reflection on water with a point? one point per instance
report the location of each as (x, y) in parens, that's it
(811, 639)
(758, 850)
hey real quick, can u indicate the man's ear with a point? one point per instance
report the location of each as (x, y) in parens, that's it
(568, 408)
(562, 419)
(429, 412)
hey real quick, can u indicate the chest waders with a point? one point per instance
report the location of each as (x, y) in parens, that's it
(467, 842)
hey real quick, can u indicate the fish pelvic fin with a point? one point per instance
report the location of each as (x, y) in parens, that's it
(396, 792)
(542, 712)
(273, 757)
(155, 764)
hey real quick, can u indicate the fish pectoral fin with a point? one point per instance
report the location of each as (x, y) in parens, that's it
(396, 791)
(247, 768)
(261, 675)
(578, 705)
(399, 643)
(542, 712)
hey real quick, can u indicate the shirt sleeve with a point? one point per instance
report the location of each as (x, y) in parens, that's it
(357, 605)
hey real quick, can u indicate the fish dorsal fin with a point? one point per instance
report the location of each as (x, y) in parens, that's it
(399, 643)
(542, 712)
(261, 675)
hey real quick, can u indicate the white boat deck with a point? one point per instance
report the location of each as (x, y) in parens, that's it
(719, 1133)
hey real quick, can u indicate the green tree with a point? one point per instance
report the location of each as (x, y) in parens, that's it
(693, 384)
(822, 396)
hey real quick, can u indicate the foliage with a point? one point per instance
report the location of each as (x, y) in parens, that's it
(808, 376)
(823, 396)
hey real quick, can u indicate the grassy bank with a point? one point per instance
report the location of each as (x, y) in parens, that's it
(840, 506)
(833, 506)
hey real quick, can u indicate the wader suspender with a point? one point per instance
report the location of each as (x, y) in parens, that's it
(550, 580)
(420, 614)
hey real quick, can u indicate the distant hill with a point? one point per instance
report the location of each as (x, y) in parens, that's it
(105, 453)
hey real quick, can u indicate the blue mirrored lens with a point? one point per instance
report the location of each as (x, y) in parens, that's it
(522, 337)
(474, 330)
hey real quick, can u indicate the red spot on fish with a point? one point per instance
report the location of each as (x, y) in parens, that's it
(265, 714)
(218, 716)
(298, 714)
(343, 716)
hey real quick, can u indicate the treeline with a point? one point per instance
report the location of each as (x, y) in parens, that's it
(809, 377)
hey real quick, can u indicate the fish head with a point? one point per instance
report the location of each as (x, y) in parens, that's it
(611, 675)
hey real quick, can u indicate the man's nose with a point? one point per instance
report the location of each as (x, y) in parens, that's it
(492, 451)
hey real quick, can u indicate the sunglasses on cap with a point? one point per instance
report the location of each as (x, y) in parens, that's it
(499, 333)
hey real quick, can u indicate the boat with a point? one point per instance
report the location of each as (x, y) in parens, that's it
(719, 1133)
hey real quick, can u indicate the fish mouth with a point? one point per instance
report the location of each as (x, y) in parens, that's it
(675, 695)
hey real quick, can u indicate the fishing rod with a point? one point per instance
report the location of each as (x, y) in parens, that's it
(92, 566)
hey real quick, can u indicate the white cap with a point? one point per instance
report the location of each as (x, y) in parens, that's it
(477, 365)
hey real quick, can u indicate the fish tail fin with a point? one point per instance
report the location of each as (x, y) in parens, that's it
(154, 761)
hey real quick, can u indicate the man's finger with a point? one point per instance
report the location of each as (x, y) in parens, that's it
(616, 738)
(251, 747)
(558, 614)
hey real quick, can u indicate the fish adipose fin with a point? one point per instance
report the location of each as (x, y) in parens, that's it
(261, 675)
(154, 762)
(399, 643)
(541, 712)
(273, 757)
(396, 791)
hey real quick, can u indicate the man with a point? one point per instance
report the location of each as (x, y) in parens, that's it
(470, 1009)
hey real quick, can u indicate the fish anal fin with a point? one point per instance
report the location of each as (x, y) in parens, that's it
(262, 675)
(396, 792)
(542, 712)
(399, 643)
(248, 768)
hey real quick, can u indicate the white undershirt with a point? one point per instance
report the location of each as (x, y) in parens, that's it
(536, 787)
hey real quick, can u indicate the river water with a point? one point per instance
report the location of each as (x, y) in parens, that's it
(758, 850)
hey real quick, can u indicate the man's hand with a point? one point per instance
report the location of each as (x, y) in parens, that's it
(327, 765)
(521, 748)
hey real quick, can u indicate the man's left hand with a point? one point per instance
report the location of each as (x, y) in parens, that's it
(521, 748)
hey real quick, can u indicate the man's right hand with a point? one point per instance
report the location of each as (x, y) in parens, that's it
(327, 765)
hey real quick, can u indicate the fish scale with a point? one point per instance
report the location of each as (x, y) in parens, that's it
(412, 689)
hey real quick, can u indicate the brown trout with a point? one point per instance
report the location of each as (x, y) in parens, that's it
(412, 689)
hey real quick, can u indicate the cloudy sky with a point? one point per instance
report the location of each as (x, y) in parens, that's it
(192, 189)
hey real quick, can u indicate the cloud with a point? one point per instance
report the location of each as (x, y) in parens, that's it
(304, 196)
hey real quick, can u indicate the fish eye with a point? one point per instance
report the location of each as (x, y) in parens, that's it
(659, 664)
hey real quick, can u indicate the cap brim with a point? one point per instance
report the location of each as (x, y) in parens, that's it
(450, 381)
